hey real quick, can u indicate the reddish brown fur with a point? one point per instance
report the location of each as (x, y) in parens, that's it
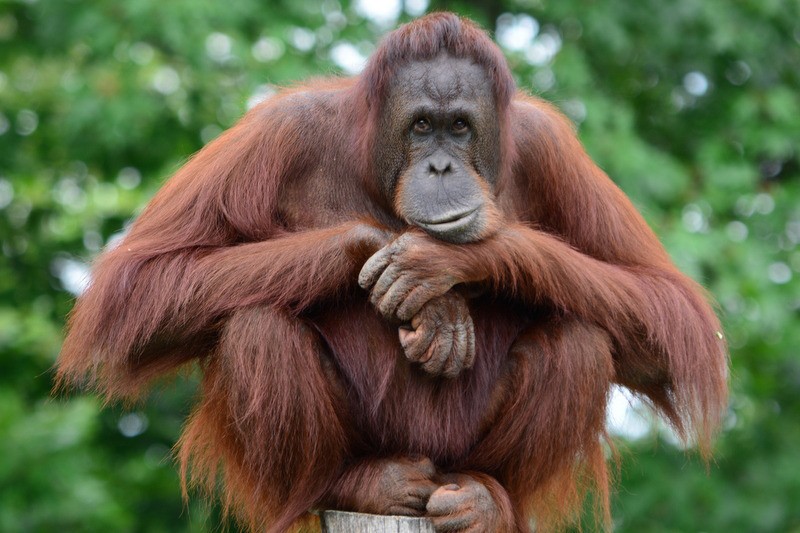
(247, 259)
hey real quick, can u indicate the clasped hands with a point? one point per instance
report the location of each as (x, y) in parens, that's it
(436, 328)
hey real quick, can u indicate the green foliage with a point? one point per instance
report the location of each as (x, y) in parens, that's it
(692, 107)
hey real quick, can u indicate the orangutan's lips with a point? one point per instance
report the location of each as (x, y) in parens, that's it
(451, 222)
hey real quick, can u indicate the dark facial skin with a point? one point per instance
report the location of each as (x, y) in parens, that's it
(439, 156)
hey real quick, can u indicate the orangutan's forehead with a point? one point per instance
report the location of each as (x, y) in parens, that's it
(443, 80)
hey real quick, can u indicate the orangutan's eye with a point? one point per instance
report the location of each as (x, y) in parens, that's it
(422, 125)
(460, 126)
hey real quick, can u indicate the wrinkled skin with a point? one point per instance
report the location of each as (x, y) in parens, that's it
(399, 486)
(441, 337)
(437, 330)
(398, 282)
(407, 486)
(463, 504)
(438, 156)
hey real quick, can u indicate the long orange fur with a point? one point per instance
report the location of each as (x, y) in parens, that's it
(247, 260)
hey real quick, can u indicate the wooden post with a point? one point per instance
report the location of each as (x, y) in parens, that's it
(341, 522)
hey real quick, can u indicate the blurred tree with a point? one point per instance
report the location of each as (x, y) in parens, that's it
(693, 107)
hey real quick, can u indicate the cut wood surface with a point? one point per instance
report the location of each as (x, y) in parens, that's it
(342, 522)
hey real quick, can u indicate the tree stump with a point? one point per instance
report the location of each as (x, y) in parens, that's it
(342, 522)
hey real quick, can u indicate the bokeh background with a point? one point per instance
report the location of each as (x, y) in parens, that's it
(692, 106)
